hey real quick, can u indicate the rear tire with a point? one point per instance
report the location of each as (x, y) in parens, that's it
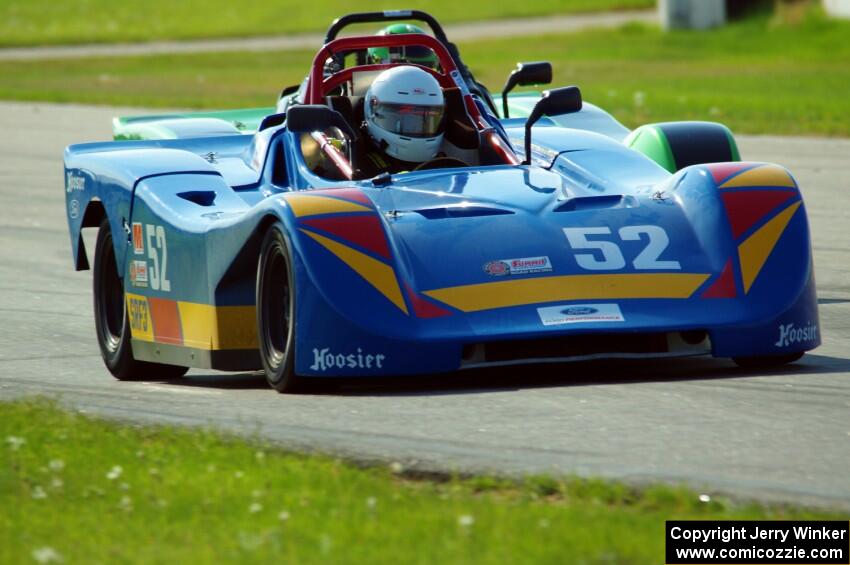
(767, 361)
(111, 321)
(276, 312)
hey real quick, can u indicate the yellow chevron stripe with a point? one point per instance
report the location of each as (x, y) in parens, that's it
(755, 250)
(218, 327)
(378, 274)
(312, 204)
(763, 175)
(487, 296)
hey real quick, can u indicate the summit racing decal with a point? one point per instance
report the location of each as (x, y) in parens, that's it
(521, 266)
(324, 359)
(579, 314)
(789, 334)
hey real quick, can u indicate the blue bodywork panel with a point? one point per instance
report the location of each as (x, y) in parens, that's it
(593, 250)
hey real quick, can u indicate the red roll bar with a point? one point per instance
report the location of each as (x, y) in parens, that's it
(316, 90)
(318, 86)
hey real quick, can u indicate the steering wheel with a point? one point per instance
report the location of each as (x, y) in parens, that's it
(440, 163)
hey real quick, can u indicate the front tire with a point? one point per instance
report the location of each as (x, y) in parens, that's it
(276, 311)
(111, 321)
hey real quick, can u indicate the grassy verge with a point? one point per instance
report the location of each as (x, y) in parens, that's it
(33, 22)
(85, 490)
(756, 76)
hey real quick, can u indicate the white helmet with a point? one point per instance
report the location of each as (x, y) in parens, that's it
(404, 110)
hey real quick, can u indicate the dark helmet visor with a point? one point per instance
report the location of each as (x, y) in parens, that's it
(409, 120)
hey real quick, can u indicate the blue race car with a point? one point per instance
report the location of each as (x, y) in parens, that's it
(553, 237)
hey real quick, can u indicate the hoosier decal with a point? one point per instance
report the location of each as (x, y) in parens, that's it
(74, 182)
(324, 359)
(789, 334)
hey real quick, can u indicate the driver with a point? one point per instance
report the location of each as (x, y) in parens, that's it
(404, 122)
(416, 54)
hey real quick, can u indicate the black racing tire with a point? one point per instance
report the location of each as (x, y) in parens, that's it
(111, 321)
(766, 361)
(276, 311)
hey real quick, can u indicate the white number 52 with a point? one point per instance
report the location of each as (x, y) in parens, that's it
(157, 247)
(606, 255)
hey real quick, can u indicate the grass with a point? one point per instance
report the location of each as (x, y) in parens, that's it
(33, 22)
(88, 490)
(755, 75)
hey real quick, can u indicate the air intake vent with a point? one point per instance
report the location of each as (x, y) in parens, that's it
(199, 197)
(587, 346)
(597, 203)
(443, 212)
(576, 345)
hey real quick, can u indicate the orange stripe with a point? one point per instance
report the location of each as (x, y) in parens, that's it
(166, 321)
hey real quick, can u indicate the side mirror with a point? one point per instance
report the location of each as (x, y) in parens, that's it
(305, 118)
(526, 74)
(555, 102)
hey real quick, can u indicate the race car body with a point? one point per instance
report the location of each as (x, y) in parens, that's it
(547, 243)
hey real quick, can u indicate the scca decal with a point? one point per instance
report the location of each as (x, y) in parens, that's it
(139, 315)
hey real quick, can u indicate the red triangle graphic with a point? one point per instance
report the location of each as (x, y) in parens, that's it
(746, 207)
(364, 230)
(722, 171)
(724, 286)
(424, 308)
(350, 194)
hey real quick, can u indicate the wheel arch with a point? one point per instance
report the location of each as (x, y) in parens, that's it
(92, 218)
(241, 276)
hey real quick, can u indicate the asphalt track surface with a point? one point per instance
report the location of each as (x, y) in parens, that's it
(781, 435)
(468, 31)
